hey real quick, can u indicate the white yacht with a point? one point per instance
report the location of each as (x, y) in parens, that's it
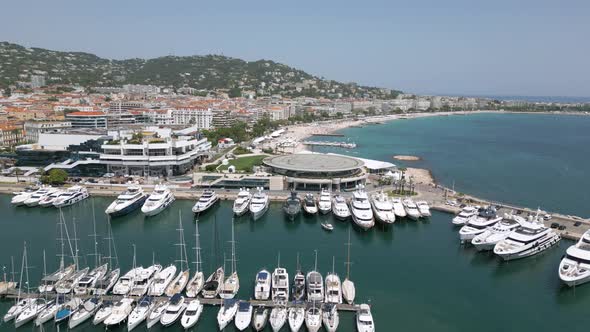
(84, 312)
(191, 315)
(412, 211)
(213, 284)
(340, 208)
(161, 281)
(227, 312)
(48, 282)
(144, 279)
(231, 285)
(158, 201)
(259, 204)
(362, 215)
(466, 214)
(107, 282)
(313, 317)
(475, 227)
(48, 200)
(120, 312)
(333, 289)
(574, 268)
(140, 312)
(206, 201)
(67, 310)
(66, 286)
(195, 285)
(348, 288)
(260, 318)
(262, 287)
(20, 197)
(242, 202)
(123, 286)
(244, 315)
(325, 202)
(128, 201)
(280, 285)
(49, 311)
(38, 195)
(330, 317)
(86, 283)
(364, 319)
(315, 286)
(296, 317)
(309, 204)
(398, 207)
(496, 233)
(175, 308)
(278, 317)
(423, 208)
(156, 314)
(531, 238)
(71, 196)
(298, 286)
(29, 313)
(103, 313)
(382, 208)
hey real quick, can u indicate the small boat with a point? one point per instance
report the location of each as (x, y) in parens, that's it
(213, 284)
(574, 268)
(48, 200)
(67, 310)
(144, 279)
(49, 311)
(296, 317)
(156, 314)
(71, 196)
(244, 315)
(382, 208)
(158, 201)
(330, 317)
(340, 208)
(103, 313)
(86, 283)
(227, 312)
(259, 204)
(161, 281)
(38, 195)
(17, 308)
(398, 207)
(262, 287)
(531, 238)
(120, 312)
(191, 314)
(127, 202)
(278, 317)
(66, 286)
(107, 282)
(465, 215)
(292, 206)
(175, 308)
(29, 313)
(333, 289)
(140, 312)
(362, 215)
(423, 208)
(364, 319)
(313, 317)
(84, 312)
(280, 284)
(206, 201)
(260, 318)
(325, 202)
(242, 202)
(411, 209)
(309, 204)
(327, 226)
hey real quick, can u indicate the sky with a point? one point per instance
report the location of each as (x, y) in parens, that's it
(470, 47)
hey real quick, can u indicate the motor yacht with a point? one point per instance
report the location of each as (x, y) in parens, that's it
(280, 285)
(465, 215)
(330, 317)
(158, 201)
(227, 312)
(156, 314)
(123, 286)
(66, 286)
(340, 208)
(191, 314)
(106, 283)
(260, 318)
(71, 196)
(206, 201)
(67, 310)
(144, 279)
(213, 284)
(84, 312)
(262, 287)
(398, 207)
(475, 227)
(48, 282)
(29, 313)
(86, 283)
(278, 317)
(325, 202)
(242, 202)
(259, 204)
(487, 239)
(104, 312)
(161, 281)
(292, 206)
(309, 204)
(19, 198)
(412, 211)
(121, 310)
(48, 200)
(423, 208)
(299, 286)
(313, 317)
(364, 319)
(296, 317)
(315, 286)
(531, 238)
(244, 315)
(128, 201)
(175, 308)
(140, 312)
(333, 289)
(574, 268)
(382, 208)
(38, 195)
(360, 208)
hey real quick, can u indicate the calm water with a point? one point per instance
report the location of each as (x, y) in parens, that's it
(531, 160)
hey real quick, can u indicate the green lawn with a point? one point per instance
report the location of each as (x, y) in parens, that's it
(244, 164)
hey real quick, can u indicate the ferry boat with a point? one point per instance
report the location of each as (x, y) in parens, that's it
(574, 268)
(71, 196)
(158, 201)
(412, 211)
(488, 239)
(262, 287)
(309, 204)
(128, 201)
(398, 207)
(362, 215)
(382, 208)
(325, 202)
(465, 215)
(259, 204)
(206, 201)
(340, 208)
(242, 202)
(364, 319)
(292, 206)
(531, 238)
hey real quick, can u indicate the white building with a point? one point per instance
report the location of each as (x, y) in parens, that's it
(33, 128)
(201, 118)
(81, 108)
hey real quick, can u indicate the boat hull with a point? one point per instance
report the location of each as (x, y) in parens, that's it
(129, 208)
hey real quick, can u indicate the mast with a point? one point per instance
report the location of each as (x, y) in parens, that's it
(315, 267)
(61, 239)
(44, 265)
(279, 260)
(94, 235)
(182, 246)
(348, 257)
(111, 246)
(298, 267)
(22, 267)
(333, 260)
(233, 249)
(26, 264)
(12, 264)
(198, 263)
(75, 256)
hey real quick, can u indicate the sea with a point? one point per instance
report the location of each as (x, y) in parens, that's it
(415, 275)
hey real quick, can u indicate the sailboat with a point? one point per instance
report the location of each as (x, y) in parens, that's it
(213, 283)
(232, 283)
(66, 286)
(333, 289)
(195, 285)
(348, 290)
(179, 283)
(27, 309)
(298, 283)
(48, 282)
(108, 280)
(87, 282)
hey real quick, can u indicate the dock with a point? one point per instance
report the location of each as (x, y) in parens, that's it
(328, 134)
(332, 144)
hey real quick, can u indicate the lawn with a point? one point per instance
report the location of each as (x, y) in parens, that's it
(244, 164)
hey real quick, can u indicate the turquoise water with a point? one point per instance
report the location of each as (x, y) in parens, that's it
(531, 160)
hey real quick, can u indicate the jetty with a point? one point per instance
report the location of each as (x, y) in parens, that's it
(332, 144)
(328, 134)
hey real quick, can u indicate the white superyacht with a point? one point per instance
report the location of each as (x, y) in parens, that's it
(158, 201)
(325, 202)
(382, 208)
(206, 201)
(412, 211)
(362, 215)
(531, 238)
(340, 208)
(488, 239)
(128, 201)
(259, 204)
(242, 202)
(71, 196)
(398, 207)
(574, 268)
(466, 214)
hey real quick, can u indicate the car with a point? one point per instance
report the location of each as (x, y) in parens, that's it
(577, 223)
(561, 228)
(547, 217)
(554, 225)
(108, 175)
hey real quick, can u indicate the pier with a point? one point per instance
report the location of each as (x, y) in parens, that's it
(328, 134)
(332, 144)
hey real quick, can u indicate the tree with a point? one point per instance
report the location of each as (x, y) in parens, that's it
(235, 92)
(55, 177)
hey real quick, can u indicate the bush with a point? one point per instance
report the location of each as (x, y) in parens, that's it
(211, 167)
(55, 177)
(267, 150)
(240, 150)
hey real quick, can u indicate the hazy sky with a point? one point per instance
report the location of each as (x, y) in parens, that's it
(517, 47)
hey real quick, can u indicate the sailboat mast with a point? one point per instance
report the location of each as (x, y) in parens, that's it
(44, 265)
(348, 257)
(233, 248)
(96, 260)
(298, 267)
(12, 264)
(61, 237)
(22, 267)
(198, 262)
(76, 257)
(26, 268)
(315, 267)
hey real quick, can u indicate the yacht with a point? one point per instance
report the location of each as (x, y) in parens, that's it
(128, 201)
(348, 288)
(340, 208)
(227, 312)
(423, 208)
(278, 317)
(156, 314)
(66, 286)
(195, 285)
(475, 227)
(531, 238)
(103, 313)
(280, 285)
(412, 211)
(84, 312)
(496, 233)
(71, 196)
(325, 202)
(315, 286)
(260, 318)
(398, 207)
(20, 197)
(49, 311)
(330, 317)
(364, 319)
(38, 195)
(292, 206)
(48, 200)
(213, 284)
(243, 316)
(262, 287)
(333, 289)
(309, 204)
(382, 208)
(123, 286)
(121, 310)
(86, 283)
(67, 310)
(17, 308)
(158, 201)
(231, 285)
(313, 317)
(259, 204)
(161, 281)
(178, 284)
(107, 282)
(174, 310)
(296, 316)
(206, 201)
(29, 313)
(144, 279)
(574, 268)
(48, 282)
(299, 286)
(191, 315)
(362, 215)
(242, 202)
(140, 312)
(465, 215)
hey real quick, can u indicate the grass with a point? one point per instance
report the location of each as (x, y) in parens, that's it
(397, 193)
(244, 164)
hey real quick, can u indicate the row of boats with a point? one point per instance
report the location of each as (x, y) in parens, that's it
(47, 196)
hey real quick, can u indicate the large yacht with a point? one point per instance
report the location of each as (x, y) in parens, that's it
(487, 239)
(19, 198)
(423, 208)
(362, 215)
(309, 204)
(339, 207)
(159, 200)
(292, 205)
(206, 201)
(574, 268)
(531, 238)
(38, 195)
(398, 207)
(382, 208)
(71, 196)
(325, 202)
(262, 287)
(128, 201)
(48, 200)
(412, 210)
(259, 204)
(476, 226)
(465, 215)
(242, 202)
